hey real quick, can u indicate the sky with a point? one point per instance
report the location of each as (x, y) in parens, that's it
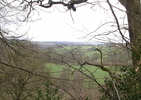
(59, 24)
(65, 26)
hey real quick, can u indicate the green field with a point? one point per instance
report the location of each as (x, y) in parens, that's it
(56, 70)
(110, 56)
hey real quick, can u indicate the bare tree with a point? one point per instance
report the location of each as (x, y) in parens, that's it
(133, 10)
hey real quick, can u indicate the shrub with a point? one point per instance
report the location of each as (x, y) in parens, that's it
(128, 86)
(48, 93)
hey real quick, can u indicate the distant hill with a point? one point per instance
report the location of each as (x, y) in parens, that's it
(47, 44)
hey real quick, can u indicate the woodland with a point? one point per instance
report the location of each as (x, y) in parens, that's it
(107, 71)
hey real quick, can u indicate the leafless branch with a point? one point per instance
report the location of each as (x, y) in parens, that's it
(99, 66)
(99, 27)
(83, 73)
(116, 90)
(117, 22)
(37, 74)
(69, 5)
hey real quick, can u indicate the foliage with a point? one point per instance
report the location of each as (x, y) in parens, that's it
(20, 84)
(128, 86)
(50, 93)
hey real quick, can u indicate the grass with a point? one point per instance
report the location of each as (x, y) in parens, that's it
(56, 70)
(97, 73)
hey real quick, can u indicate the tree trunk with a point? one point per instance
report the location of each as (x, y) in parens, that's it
(133, 8)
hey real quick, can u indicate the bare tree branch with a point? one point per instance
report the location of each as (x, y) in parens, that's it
(117, 22)
(39, 75)
(117, 92)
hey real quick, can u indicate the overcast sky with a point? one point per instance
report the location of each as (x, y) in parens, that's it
(59, 24)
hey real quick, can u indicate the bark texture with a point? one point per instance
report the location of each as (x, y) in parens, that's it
(133, 8)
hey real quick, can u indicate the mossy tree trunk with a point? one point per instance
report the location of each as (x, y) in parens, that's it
(133, 8)
(134, 20)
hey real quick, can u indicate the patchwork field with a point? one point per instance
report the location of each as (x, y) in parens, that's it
(56, 70)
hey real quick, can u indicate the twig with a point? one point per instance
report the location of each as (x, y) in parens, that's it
(116, 90)
(117, 22)
(37, 74)
(101, 56)
(99, 27)
(88, 76)
(101, 67)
